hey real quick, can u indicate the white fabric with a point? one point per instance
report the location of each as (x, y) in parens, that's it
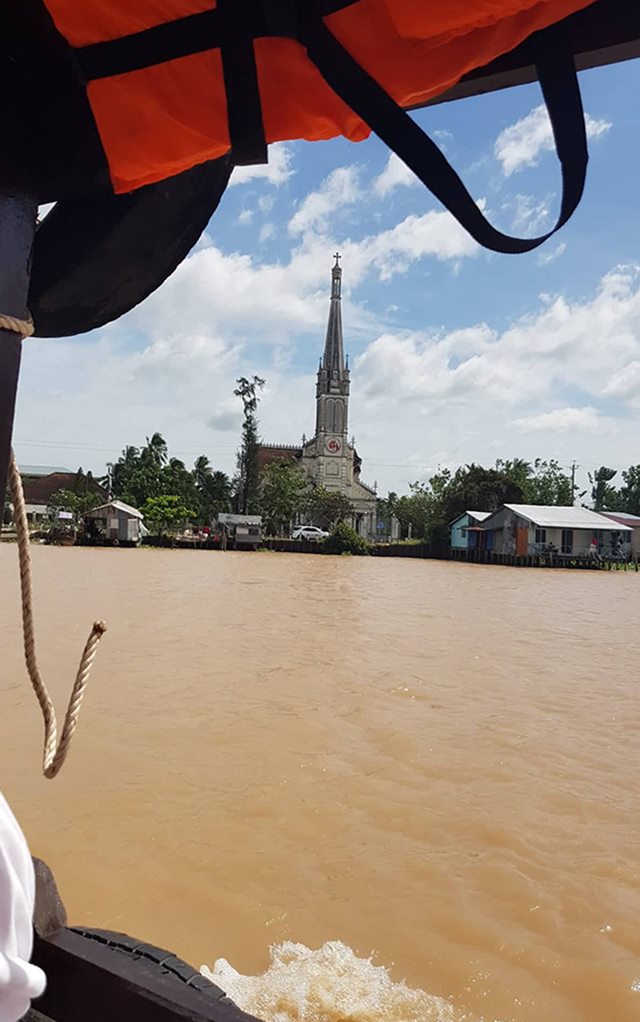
(19, 981)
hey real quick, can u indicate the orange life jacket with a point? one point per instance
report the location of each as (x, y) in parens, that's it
(173, 83)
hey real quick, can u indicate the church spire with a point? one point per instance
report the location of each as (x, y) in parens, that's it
(333, 359)
(332, 390)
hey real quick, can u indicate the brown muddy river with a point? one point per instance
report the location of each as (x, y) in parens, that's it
(430, 763)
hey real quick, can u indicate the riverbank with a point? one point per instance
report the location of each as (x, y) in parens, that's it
(422, 551)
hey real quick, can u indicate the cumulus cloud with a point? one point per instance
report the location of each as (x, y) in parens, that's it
(583, 420)
(276, 172)
(590, 345)
(341, 188)
(396, 174)
(521, 144)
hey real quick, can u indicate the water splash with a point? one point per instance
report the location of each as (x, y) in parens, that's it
(330, 984)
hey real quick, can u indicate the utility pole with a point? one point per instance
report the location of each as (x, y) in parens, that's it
(573, 482)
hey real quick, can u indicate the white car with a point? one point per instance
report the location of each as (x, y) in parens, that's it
(308, 532)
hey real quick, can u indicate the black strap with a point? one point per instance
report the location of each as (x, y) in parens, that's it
(233, 26)
(244, 109)
(558, 80)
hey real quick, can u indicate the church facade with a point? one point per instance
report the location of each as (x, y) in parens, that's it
(330, 459)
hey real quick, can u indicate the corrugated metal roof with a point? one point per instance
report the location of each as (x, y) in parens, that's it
(478, 516)
(119, 505)
(549, 517)
(623, 518)
(41, 470)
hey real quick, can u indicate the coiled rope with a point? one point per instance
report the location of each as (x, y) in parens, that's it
(54, 752)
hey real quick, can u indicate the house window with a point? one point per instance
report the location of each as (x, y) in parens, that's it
(567, 541)
(541, 536)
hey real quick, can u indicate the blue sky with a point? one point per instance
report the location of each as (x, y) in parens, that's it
(457, 354)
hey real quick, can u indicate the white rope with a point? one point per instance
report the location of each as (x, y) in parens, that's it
(24, 327)
(54, 752)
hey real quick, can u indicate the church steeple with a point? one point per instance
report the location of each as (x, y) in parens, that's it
(333, 359)
(332, 391)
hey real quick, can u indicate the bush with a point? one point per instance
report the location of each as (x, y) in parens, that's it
(345, 540)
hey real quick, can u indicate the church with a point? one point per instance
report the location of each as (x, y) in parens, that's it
(329, 459)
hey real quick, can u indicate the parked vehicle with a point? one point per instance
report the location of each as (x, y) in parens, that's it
(309, 532)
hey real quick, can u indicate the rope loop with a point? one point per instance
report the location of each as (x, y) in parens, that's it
(54, 752)
(24, 327)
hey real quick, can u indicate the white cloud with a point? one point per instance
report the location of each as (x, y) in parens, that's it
(341, 188)
(590, 346)
(544, 257)
(625, 384)
(276, 172)
(521, 144)
(246, 216)
(266, 231)
(581, 420)
(396, 174)
(528, 214)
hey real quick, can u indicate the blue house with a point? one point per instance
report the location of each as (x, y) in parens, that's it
(463, 534)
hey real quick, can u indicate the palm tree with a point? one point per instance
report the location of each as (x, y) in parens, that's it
(156, 449)
(202, 471)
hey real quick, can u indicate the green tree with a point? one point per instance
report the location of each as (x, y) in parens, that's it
(284, 495)
(136, 475)
(248, 492)
(156, 450)
(629, 493)
(386, 510)
(603, 496)
(345, 540)
(166, 514)
(215, 491)
(175, 478)
(475, 488)
(76, 503)
(543, 482)
(327, 508)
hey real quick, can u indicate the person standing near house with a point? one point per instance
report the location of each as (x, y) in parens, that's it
(19, 980)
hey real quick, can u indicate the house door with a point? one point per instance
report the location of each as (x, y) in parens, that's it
(522, 541)
(567, 541)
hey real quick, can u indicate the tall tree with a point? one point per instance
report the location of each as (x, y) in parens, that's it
(248, 496)
(603, 496)
(328, 508)
(284, 495)
(156, 450)
(629, 493)
(543, 482)
(202, 471)
(216, 496)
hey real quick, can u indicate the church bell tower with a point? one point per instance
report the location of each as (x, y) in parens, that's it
(332, 389)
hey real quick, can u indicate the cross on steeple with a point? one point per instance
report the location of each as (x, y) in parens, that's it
(337, 258)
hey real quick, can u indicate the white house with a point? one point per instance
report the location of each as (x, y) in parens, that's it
(115, 522)
(523, 529)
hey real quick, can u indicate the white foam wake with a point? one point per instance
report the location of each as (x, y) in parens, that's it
(330, 984)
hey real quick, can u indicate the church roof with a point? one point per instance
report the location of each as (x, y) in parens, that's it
(268, 453)
(333, 358)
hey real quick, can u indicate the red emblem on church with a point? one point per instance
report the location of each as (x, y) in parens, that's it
(333, 446)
